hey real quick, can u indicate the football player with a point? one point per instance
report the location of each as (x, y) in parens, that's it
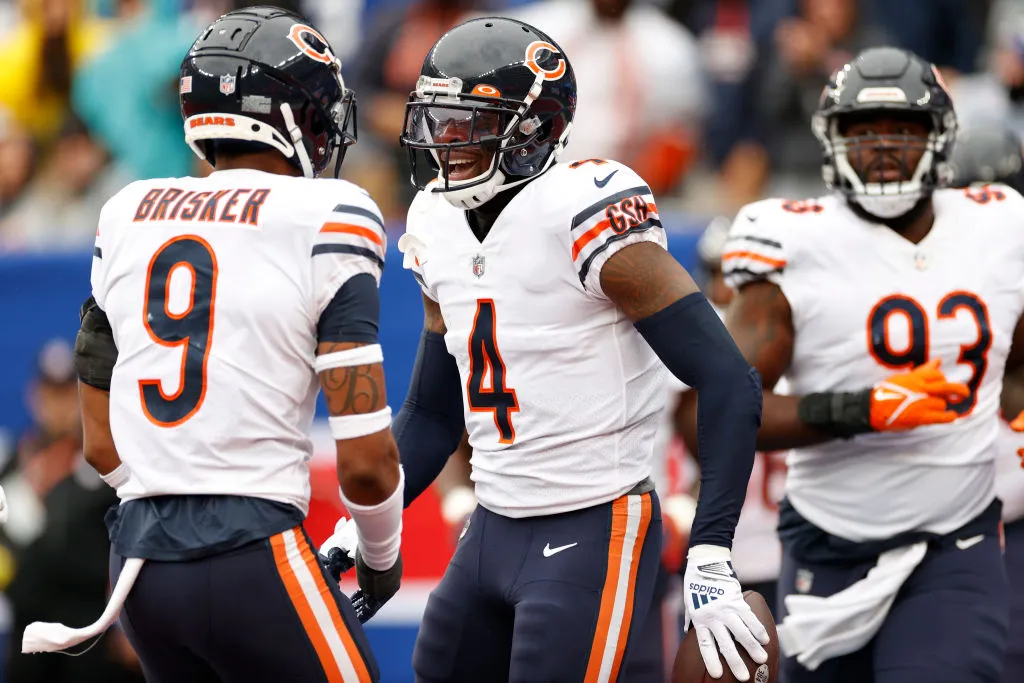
(862, 299)
(216, 304)
(984, 155)
(551, 309)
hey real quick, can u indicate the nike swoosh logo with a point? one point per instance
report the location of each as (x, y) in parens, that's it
(602, 183)
(965, 543)
(886, 395)
(549, 551)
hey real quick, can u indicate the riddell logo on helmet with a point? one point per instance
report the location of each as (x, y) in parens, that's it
(211, 121)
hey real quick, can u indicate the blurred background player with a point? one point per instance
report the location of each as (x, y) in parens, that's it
(556, 568)
(756, 551)
(889, 524)
(984, 155)
(216, 304)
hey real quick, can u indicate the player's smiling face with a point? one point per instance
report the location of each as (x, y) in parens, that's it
(465, 161)
(885, 147)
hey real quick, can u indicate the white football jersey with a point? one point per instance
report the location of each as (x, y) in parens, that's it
(866, 304)
(214, 287)
(562, 394)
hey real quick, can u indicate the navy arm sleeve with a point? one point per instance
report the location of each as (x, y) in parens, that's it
(429, 426)
(353, 313)
(693, 343)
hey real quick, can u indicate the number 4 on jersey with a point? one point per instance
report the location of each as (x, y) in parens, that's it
(486, 387)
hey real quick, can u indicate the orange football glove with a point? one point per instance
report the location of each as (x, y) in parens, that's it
(914, 398)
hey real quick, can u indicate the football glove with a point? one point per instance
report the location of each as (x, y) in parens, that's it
(338, 553)
(376, 587)
(914, 398)
(716, 609)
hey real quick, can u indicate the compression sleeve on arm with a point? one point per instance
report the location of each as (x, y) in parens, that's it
(429, 426)
(692, 342)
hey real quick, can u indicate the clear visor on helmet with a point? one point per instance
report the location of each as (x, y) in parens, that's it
(454, 135)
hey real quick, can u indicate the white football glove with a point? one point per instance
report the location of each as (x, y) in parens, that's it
(338, 552)
(716, 609)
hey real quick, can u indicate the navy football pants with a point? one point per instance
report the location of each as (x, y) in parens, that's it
(948, 623)
(263, 612)
(551, 599)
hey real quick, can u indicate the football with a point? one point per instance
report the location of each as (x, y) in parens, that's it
(689, 666)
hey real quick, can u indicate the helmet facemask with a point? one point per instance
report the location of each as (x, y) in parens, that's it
(456, 134)
(888, 173)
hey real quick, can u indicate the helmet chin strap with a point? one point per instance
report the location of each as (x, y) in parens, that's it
(296, 135)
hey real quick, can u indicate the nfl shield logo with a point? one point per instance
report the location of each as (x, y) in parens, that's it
(804, 580)
(478, 265)
(227, 84)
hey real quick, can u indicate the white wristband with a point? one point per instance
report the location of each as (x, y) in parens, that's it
(360, 355)
(117, 477)
(379, 527)
(353, 426)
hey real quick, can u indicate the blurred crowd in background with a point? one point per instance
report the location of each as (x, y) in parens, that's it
(709, 100)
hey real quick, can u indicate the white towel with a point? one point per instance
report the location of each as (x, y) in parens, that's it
(816, 629)
(41, 636)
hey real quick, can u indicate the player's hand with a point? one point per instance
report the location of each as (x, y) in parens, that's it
(915, 398)
(338, 553)
(376, 587)
(716, 609)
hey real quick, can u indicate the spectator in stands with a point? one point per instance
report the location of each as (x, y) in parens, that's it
(641, 89)
(386, 70)
(61, 206)
(131, 104)
(55, 540)
(39, 58)
(779, 95)
(17, 157)
(948, 33)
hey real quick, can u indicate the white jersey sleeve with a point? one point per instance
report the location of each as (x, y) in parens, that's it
(756, 249)
(616, 208)
(415, 243)
(350, 241)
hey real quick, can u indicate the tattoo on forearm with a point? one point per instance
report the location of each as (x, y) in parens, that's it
(352, 390)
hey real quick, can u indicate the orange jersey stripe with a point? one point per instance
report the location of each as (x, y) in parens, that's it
(358, 230)
(754, 256)
(291, 584)
(620, 513)
(627, 615)
(590, 235)
(339, 624)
